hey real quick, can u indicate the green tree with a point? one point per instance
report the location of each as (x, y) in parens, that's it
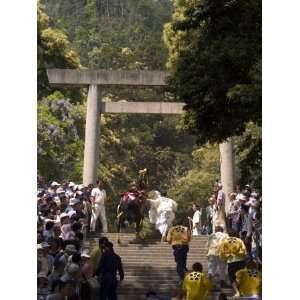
(197, 184)
(215, 62)
(53, 51)
(60, 138)
(248, 149)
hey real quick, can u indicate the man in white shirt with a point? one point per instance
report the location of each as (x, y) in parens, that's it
(98, 197)
(196, 220)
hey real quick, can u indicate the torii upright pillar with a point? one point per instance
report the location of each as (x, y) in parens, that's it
(227, 169)
(92, 132)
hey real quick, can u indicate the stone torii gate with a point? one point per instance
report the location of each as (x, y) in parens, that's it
(95, 80)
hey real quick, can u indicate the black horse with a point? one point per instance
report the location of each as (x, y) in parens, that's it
(132, 205)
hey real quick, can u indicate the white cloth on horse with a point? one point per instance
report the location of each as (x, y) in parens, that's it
(154, 203)
(162, 213)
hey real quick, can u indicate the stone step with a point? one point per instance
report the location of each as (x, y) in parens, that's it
(151, 247)
(214, 296)
(149, 264)
(139, 289)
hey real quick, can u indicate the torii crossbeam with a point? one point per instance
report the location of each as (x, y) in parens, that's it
(95, 80)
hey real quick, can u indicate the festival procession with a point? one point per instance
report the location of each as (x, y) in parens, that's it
(68, 213)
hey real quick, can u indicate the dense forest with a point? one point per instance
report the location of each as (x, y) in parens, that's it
(123, 34)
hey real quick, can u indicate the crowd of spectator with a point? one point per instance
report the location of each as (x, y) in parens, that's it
(65, 213)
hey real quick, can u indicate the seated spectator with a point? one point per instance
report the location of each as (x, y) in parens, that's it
(196, 284)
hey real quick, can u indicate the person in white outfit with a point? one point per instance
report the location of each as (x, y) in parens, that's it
(162, 213)
(214, 261)
(196, 220)
(98, 197)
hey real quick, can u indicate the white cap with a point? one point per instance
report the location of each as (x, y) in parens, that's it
(85, 254)
(54, 183)
(60, 190)
(79, 193)
(42, 275)
(80, 187)
(71, 213)
(39, 246)
(71, 184)
(74, 201)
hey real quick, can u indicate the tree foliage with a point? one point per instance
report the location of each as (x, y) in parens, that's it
(197, 184)
(248, 149)
(215, 60)
(60, 137)
(53, 51)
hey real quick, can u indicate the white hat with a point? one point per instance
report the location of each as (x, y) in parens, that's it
(71, 248)
(54, 183)
(42, 275)
(60, 190)
(85, 254)
(71, 213)
(63, 215)
(79, 193)
(71, 184)
(74, 201)
(80, 187)
(39, 246)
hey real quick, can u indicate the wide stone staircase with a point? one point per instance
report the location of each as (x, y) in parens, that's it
(149, 265)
